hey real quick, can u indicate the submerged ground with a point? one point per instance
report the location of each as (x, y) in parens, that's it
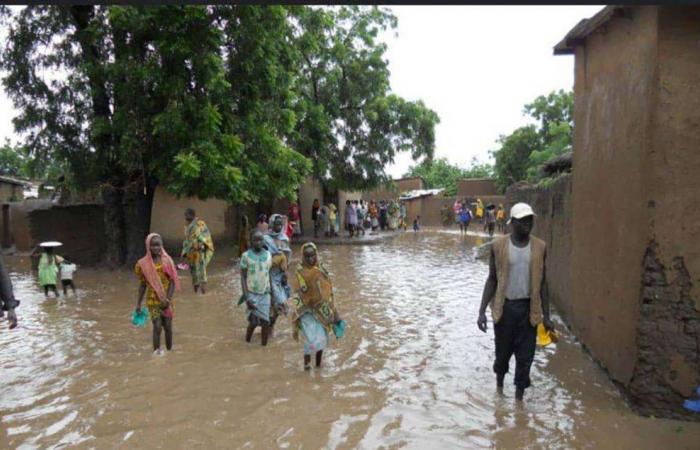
(412, 371)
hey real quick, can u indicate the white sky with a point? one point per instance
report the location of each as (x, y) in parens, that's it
(476, 66)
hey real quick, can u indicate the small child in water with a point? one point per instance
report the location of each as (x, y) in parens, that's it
(416, 224)
(67, 270)
(48, 270)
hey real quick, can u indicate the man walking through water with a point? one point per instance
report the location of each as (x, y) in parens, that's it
(516, 290)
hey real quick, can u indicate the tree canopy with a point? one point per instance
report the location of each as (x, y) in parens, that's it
(440, 173)
(522, 152)
(238, 102)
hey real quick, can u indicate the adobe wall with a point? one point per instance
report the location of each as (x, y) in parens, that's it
(476, 187)
(667, 368)
(167, 218)
(553, 223)
(609, 224)
(79, 227)
(635, 262)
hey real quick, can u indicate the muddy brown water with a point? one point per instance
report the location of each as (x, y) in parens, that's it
(413, 371)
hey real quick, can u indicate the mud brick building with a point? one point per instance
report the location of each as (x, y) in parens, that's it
(634, 295)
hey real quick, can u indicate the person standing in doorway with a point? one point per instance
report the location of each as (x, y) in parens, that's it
(294, 216)
(314, 216)
(516, 290)
(333, 220)
(197, 249)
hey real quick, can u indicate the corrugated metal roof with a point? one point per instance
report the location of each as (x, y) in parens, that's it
(417, 193)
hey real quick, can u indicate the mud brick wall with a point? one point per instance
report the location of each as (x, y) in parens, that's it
(634, 264)
(79, 227)
(553, 224)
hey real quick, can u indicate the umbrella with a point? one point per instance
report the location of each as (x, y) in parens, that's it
(48, 244)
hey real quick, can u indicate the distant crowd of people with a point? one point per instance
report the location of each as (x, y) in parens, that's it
(361, 216)
(490, 217)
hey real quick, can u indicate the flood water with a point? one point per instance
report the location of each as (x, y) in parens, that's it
(413, 370)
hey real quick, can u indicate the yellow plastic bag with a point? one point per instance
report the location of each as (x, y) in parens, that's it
(545, 337)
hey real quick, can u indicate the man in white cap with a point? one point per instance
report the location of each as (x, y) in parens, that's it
(516, 290)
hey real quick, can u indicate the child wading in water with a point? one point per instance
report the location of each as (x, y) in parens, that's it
(256, 284)
(67, 271)
(158, 276)
(48, 270)
(314, 312)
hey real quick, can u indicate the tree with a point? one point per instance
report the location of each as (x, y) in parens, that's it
(512, 158)
(12, 160)
(439, 173)
(522, 152)
(230, 101)
(145, 100)
(349, 123)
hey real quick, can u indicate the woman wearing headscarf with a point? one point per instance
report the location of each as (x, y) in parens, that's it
(198, 249)
(277, 243)
(158, 276)
(313, 307)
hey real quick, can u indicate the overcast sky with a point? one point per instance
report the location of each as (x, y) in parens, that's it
(476, 66)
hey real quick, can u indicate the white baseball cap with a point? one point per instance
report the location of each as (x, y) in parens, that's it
(520, 210)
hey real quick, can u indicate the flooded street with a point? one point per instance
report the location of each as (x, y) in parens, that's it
(412, 371)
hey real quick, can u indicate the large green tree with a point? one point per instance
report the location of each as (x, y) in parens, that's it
(521, 153)
(228, 101)
(350, 124)
(145, 98)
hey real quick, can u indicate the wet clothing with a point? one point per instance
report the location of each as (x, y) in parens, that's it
(515, 335)
(198, 248)
(48, 269)
(153, 303)
(313, 306)
(501, 246)
(465, 216)
(157, 278)
(278, 246)
(258, 270)
(258, 267)
(67, 271)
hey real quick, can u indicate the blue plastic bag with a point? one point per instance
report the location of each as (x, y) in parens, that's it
(339, 329)
(139, 319)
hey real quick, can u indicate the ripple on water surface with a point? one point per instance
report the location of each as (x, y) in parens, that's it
(412, 371)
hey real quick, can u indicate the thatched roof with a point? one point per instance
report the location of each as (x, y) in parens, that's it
(561, 163)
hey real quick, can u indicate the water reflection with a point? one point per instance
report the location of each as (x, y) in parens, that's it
(413, 370)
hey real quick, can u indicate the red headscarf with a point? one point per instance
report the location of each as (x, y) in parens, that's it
(151, 274)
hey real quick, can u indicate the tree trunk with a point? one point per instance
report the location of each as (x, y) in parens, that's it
(137, 205)
(114, 225)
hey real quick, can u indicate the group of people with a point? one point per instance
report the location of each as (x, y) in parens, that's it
(490, 217)
(361, 216)
(515, 290)
(267, 293)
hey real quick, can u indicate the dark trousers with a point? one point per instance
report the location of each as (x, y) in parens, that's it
(515, 335)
